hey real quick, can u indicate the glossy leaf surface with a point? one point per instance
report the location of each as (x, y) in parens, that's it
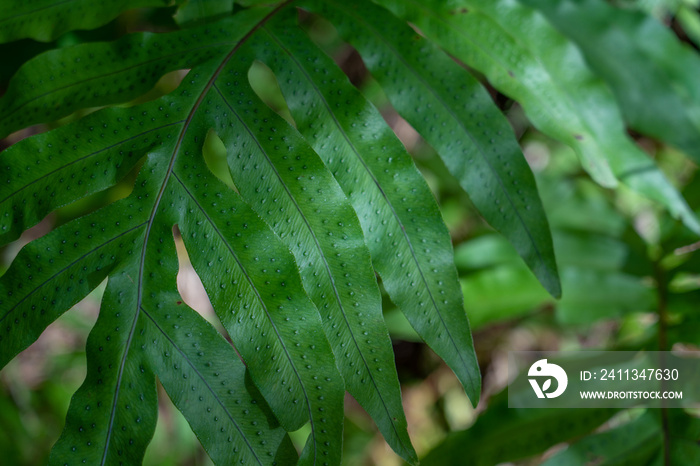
(255, 150)
(59, 82)
(457, 117)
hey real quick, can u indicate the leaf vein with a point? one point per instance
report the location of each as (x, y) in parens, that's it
(206, 383)
(62, 167)
(257, 295)
(78, 83)
(67, 267)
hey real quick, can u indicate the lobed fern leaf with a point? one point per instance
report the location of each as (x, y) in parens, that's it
(288, 257)
(259, 298)
(59, 82)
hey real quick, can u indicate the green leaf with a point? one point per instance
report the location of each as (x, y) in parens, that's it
(690, 20)
(590, 251)
(653, 75)
(639, 441)
(455, 114)
(257, 2)
(41, 283)
(484, 251)
(526, 431)
(592, 295)
(634, 442)
(274, 326)
(119, 390)
(580, 205)
(251, 276)
(487, 302)
(198, 11)
(59, 82)
(349, 297)
(113, 415)
(526, 58)
(45, 20)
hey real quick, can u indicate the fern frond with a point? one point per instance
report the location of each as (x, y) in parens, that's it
(259, 297)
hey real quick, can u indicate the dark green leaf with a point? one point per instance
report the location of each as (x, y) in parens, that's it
(45, 20)
(276, 328)
(526, 432)
(634, 442)
(197, 11)
(592, 295)
(57, 83)
(349, 297)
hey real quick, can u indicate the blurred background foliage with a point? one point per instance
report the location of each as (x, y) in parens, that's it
(630, 278)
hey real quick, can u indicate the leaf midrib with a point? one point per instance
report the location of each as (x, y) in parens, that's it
(27, 296)
(62, 167)
(553, 83)
(471, 138)
(154, 211)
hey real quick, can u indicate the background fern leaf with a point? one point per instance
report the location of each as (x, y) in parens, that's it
(197, 11)
(523, 56)
(526, 430)
(657, 87)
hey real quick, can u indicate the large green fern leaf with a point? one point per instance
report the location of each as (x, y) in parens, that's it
(287, 258)
(657, 87)
(276, 329)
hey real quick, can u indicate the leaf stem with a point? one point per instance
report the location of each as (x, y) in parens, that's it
(662, 308)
